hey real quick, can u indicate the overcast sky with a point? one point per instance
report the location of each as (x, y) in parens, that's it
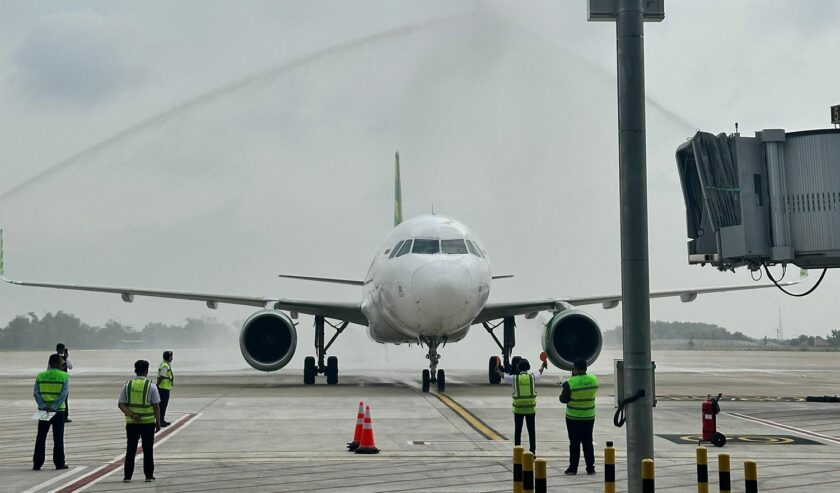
(209, 146)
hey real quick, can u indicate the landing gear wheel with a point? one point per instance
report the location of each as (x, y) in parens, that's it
(492, 374)
(719, 440)
(332, 370)
(427, 380)
(441, 381)
(309, 370)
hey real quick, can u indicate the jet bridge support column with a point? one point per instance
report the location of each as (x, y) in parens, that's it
(635, 282)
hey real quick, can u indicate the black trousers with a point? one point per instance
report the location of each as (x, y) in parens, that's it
(57, 424)
(530, 421)
(146, 432)
(580, 434)
(164, 402)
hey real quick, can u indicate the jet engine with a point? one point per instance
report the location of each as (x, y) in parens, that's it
(268, 340)
(569, 335)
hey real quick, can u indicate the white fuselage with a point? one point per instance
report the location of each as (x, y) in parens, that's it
(434, 285)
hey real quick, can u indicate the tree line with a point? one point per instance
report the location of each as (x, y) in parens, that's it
(33, 333)
(697, 331)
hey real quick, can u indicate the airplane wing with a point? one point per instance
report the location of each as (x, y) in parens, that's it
(493, 311)
(351, 312)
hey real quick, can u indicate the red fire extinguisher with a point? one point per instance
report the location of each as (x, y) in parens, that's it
(710, 410)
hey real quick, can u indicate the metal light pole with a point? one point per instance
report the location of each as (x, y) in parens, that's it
(629, 16)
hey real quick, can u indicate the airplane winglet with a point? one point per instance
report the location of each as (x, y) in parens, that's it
(397, 190)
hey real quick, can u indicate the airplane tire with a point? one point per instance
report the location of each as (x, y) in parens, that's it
(309, 370)
(332, 370)
(441, 381)
(491, 370)
(427, 380)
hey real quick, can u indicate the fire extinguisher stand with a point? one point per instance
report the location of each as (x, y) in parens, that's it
(710, 410)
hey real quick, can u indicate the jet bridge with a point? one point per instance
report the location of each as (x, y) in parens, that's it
(769, 199)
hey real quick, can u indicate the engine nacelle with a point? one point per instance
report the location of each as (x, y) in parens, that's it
(569, 335)
(268, 340)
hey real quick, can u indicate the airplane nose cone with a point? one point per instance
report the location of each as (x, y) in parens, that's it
(441, 290)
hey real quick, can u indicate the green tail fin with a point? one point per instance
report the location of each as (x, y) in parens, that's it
(397, 191)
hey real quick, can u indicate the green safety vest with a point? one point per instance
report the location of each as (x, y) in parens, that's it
(581, 405)
(137, 395)
(524, 394)
(166, 382)
(50, 382)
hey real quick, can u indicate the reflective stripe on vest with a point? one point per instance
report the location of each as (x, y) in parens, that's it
(137, 395)
(581, 405)
(50, 383)
(166, 381)
(524, 394)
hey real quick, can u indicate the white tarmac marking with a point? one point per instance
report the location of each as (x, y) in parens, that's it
(801, 431)
(122, 456)
(54, 480)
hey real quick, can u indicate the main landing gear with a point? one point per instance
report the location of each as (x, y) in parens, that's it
(432, 374)
(330, 369)
(509, 341)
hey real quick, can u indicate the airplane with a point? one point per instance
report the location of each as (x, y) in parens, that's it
(428, 284)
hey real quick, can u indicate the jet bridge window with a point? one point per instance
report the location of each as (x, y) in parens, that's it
(396, 249)
(453, 247)
(405, 248)
(427, 247)
(473, 249)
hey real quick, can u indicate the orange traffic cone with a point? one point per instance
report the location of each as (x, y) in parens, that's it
(357, 435)
(367, 446)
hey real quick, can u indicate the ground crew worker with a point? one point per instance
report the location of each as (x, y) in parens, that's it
(51, 387)
(66, 366)
(524, 400)
(140, 402)
(579, 396)
(165, 380)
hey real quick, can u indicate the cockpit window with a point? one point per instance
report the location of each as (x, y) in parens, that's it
(405, 248)
(427, 247)
(456, 247)
(473, 248)
(396, 249)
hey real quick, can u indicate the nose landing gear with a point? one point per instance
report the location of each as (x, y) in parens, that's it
(432, 374)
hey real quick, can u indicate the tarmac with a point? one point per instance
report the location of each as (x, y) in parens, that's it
(247, 431)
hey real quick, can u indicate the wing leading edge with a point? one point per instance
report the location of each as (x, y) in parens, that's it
(351, 312)
(494, 311)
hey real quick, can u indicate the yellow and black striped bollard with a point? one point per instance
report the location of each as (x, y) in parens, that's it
(647, 476)
(702, 470)
(609, 468)
(723, 473)
(527, 472)
(540, 485)
(750, 477)
(517, 469)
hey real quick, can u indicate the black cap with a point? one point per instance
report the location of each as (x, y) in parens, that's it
(580, 364)
(524, 365)
(141, 367)
(54, 361)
